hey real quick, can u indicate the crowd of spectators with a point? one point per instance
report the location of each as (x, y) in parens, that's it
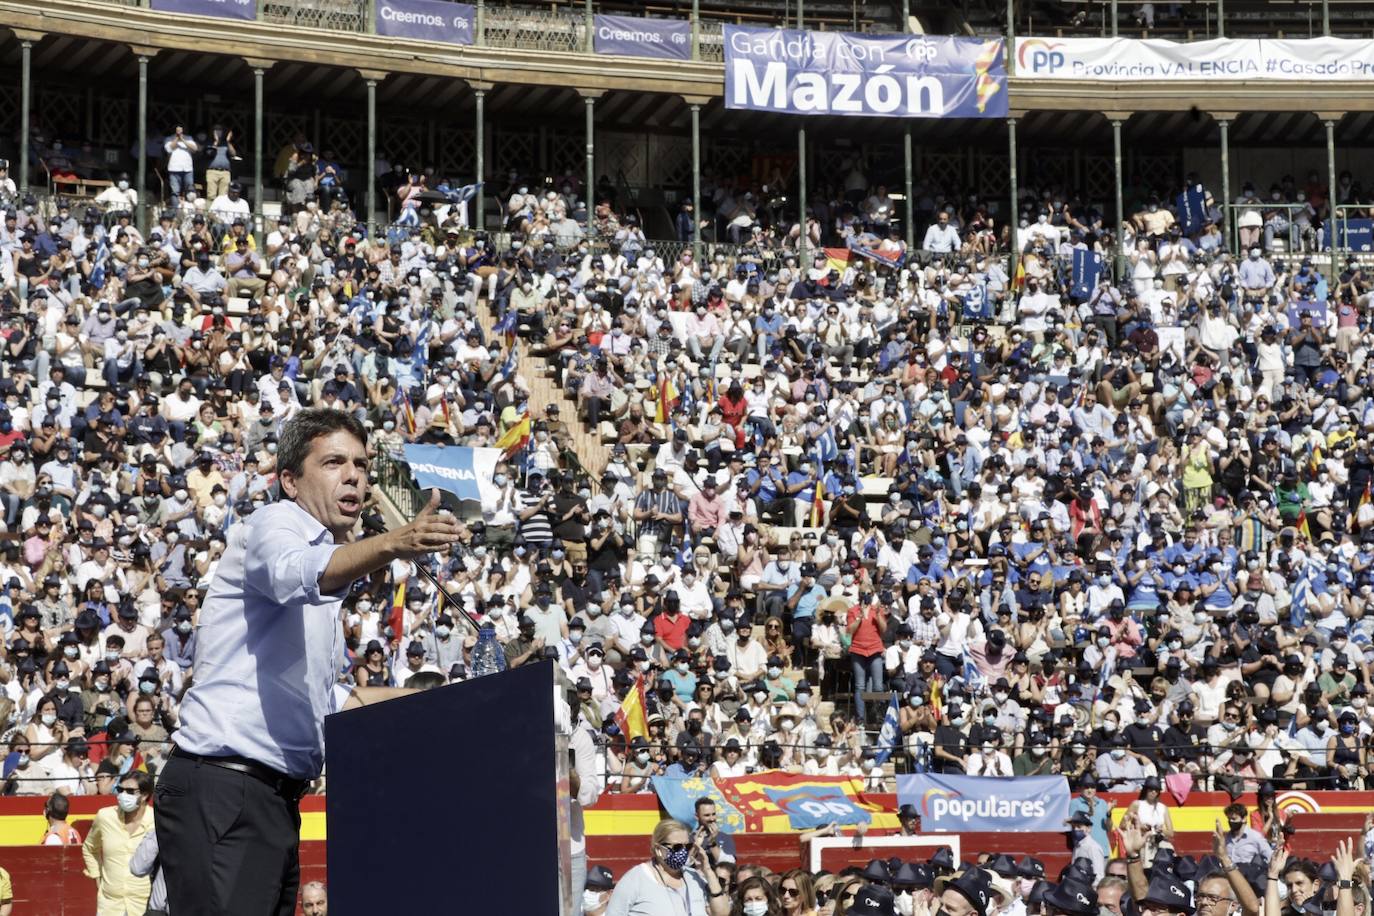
(691, 870)
(1119, 531)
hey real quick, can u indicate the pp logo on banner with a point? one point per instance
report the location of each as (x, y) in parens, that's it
(1039, 56)
(809, 807)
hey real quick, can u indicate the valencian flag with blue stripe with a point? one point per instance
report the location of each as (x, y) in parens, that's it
(774, 801)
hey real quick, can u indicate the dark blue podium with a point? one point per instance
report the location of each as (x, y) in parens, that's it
(450, 800)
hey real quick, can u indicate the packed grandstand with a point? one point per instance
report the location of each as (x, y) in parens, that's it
(892, 470)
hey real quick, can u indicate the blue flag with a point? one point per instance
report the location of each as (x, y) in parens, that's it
(827, 449)
(1192, 209)
(1087, 273)
(973, 678)
(889, 735)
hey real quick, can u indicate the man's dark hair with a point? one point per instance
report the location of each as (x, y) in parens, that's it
(1235, 810)
(702, 803)
(426, 680)
(307, 426)
(1306, 866)
(142, 779)
(57, 806)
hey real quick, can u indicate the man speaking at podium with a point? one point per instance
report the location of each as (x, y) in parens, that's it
(269, 651)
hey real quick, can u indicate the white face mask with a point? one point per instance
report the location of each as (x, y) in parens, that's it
(755, 908)
(127, 803)
(591, 899)
(49, 719)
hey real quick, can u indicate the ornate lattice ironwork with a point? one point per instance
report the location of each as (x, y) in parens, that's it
(515, 149)
(335, 15)
(534, 29)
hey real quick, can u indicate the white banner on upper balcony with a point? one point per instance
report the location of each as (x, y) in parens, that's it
(1132, 60)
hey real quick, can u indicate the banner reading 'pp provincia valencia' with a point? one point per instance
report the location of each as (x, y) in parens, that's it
(986, 804)
(1128, 60)
(836, 73)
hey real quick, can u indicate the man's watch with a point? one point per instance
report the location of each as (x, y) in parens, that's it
(1345, 884)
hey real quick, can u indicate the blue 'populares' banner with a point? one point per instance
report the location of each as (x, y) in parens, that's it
(463, 471)
(427, 20)
(222, 9)
(986, 804)
(633, 36)
(837, 73)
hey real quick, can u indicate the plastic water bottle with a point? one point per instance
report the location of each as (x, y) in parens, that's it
(487, 656)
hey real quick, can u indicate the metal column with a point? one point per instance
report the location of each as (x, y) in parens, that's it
(801, 168)
(371, 158)
(1012, 221)
(1326, 17)
(25, 90)
(696, 29)
(479, 145)
(1116, 177)
(1114, 15)
(589, 23)
(257, 141)
(696, 183)
(909, 216)
(1332, 233)
(140, 217)
(1221, 18)
(590, 195)
(1225, 126)
(480, 25)
(906, 152)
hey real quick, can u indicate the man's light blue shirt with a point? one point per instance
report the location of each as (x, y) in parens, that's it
(268, 647)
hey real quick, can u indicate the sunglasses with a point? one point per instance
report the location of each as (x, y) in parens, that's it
(790, 892)
(122, 790)
(676, 847)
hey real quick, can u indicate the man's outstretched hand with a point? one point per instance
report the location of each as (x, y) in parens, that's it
(430, 531)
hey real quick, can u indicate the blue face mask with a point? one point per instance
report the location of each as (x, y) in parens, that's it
(146, 686)
(677, 859)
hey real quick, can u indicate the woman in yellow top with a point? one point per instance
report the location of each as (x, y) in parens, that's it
(1197, 472)
(115, 834)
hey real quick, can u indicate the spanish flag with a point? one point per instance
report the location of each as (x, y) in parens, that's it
(397, 618)
(1301, 525)
(448, 418)
(514, 439)
(1366, 498)
(1019, 280)
(937, 695)
(1316, 459)
(818, 503)
(667, 397)
(631, 717)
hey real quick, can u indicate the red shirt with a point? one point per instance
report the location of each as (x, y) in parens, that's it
(673, 633)
(868, 639)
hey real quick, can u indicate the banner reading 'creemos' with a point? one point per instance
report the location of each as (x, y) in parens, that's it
(427, 20)
(986, 804)
(1151, 59)
(633, 36)
(836, 73)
